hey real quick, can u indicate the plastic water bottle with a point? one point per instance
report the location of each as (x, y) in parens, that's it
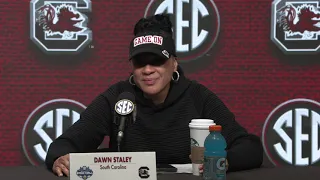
(214, 166)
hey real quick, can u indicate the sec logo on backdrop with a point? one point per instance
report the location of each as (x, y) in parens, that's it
(196, 25)
(295, 26)
(58, 26)
(291, 133)
(47, 122)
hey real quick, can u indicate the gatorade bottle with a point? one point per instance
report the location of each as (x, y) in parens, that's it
(214, 166)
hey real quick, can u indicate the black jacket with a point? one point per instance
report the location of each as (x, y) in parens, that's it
(161, 128)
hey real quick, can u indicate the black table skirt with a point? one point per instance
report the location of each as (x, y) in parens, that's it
(285, 173)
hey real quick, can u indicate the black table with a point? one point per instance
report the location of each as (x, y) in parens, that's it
(285, 173)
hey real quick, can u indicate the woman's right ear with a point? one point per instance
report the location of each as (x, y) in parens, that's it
(131, 63)
(175, 63)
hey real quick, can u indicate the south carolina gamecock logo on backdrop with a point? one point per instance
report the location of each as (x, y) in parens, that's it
(291, 133)
(60, 26)
(196, 25)
(295, 26)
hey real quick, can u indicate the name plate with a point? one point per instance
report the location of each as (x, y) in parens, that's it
(115, 165)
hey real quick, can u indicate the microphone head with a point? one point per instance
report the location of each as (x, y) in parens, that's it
(125, 104)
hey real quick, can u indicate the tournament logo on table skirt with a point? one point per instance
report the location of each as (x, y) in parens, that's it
(196, 25)
(84, 172)
(291, 133)
(295, 26)
(47, 122)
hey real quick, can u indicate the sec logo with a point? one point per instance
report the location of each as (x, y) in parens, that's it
(124, 107)
(46, 123)
(291, 133)
(196, 25)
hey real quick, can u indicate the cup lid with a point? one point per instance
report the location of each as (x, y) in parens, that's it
(201, 122)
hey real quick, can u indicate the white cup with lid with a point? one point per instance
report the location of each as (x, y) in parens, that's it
(199, 130)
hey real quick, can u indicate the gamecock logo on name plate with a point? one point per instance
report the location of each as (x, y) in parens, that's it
(60, 26)
(295, 26)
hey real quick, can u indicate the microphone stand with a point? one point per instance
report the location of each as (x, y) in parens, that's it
(124, 124)
(119, 147)
(120, 136)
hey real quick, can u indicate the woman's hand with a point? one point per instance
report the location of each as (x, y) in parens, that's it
(61, 165)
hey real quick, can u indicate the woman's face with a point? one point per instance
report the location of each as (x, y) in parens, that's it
(152, 74)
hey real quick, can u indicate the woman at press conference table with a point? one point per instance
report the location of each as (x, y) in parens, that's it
(166, 101)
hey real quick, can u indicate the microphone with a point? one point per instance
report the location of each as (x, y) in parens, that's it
(124, 108)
